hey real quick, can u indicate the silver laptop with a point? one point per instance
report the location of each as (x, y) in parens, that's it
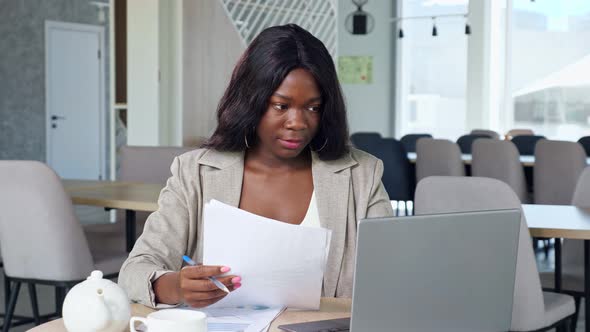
(443, 272)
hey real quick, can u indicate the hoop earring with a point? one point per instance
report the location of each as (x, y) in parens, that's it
(246, 141)
(323, 146)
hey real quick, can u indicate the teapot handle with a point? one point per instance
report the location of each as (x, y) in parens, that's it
(135, 320)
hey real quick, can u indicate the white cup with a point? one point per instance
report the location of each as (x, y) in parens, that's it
(177, 320)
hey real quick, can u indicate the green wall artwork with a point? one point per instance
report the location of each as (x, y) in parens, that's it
(355, 69)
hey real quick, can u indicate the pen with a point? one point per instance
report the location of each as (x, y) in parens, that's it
(217, 283)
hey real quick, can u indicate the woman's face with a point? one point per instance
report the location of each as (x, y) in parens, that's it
(292, 117)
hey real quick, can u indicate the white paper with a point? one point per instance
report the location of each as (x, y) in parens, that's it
(281, 265)
(244, 319)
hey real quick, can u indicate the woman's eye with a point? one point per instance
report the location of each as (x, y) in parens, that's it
(280, 107)
(314, 109)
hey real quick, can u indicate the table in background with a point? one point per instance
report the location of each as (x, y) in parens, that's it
(128, 196)
(527, 161)
(330, 308)
(563, 222)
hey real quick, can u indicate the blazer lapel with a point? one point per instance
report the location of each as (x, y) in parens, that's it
(223, 181)
(331, 180)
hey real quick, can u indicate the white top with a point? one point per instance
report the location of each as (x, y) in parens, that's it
(312, 216)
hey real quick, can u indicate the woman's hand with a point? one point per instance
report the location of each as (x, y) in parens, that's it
(192, 287)
(198, 291)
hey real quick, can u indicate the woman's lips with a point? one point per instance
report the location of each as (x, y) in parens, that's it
(291, 144)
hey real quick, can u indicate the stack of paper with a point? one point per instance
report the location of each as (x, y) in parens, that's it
(281, 265)
(243, 319)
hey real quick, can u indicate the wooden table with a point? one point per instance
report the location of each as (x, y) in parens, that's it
(567, 222)
(128, 196)
(330, 308)
(528, 161)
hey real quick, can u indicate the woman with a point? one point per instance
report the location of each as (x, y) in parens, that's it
(281, 151)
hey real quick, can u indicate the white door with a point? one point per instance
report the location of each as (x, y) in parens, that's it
(75, 100)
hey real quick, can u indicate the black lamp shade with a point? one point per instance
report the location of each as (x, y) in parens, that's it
(359, 24)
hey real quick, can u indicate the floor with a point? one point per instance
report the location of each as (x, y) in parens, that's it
(90, 216)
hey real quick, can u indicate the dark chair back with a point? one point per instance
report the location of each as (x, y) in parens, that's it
(365, 141)
(466, 141)
(398, 177)
(585, 141)
(409, 141)
(525, 144)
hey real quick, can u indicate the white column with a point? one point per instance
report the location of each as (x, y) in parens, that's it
(143, 127)
(478, 65)
(177, 70)
(507, 108)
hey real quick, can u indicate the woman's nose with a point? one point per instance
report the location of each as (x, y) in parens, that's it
(296, 119)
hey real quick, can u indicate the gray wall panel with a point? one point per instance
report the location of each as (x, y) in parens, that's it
(22, 70)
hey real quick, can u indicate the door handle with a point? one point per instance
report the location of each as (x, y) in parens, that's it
(57, 117)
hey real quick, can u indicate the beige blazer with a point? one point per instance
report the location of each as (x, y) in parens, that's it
(347, 189)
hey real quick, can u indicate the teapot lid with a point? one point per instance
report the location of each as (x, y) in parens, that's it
(95, 275)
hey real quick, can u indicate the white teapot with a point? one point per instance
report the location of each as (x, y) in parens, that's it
(96, 305)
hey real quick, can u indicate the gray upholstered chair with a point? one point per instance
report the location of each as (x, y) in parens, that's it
(532, 308)
(558, 164)
(41, 240)
(573, 250)
(499, 160)
(146, 164)
(582, 193)
(519, 132)
(193, 142)
(438, 157)
(486, 132)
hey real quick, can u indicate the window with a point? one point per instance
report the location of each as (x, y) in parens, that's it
(550, 76)
(432, 69)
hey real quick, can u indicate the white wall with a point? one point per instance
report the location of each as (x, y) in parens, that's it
(369, 106)
(211, 48)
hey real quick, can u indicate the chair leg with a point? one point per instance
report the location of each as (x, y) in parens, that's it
(34, 303)
(6, 289)
(565, 326)
(574, 324)
(11, 305)
(60, 295)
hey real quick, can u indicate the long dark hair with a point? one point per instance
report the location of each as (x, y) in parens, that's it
(274, 53)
